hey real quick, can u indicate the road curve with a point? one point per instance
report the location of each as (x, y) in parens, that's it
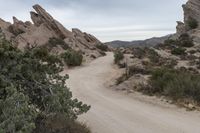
(113, 112)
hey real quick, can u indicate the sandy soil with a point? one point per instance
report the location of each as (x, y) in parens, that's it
(115, 112)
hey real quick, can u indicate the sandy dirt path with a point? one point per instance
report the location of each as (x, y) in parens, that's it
(114, 112)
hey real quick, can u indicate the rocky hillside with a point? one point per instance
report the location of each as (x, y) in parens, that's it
(170, 69)
(44, 28)
(140, 43)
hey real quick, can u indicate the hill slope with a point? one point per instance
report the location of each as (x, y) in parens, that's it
(140, 43)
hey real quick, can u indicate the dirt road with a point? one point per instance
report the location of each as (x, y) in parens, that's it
(114, 112)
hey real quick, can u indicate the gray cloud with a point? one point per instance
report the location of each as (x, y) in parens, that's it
(106, 19)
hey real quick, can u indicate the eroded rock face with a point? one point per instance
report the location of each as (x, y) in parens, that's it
(45, 27)
(4, 26)
(35, 36)
(180, 28)
(18, 27)
(191, 11)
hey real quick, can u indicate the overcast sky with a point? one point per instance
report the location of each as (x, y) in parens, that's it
(106, 19)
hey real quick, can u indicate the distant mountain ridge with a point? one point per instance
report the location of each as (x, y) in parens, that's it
(139, 43)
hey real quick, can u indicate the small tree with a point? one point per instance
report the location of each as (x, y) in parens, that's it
(72, 58)
(118, 56)
(54, 42)
(16, 114)
(102, 47)
(31, 86)
(178, 51)
(153, 55)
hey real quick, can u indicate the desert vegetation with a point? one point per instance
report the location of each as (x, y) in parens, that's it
(176, 84)
(72, 57)
(102, 47)
(32, 91)
(185, 40)
(193, 23)
(118, 56)
(172, 70)
(54, 42)
(178, 51)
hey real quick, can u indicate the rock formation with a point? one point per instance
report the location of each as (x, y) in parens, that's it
(180, 28)
(191, 10)
(45, 27)
(191, 17)
(42, 17)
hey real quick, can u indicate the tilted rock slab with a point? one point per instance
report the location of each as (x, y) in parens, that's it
(45, 27)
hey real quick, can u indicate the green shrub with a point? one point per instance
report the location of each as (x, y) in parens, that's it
(178, 51)
(146, 52)
(16, 118)
(54, 42)
(136, 70)
(185, 41)
(102, 47)
(72, 58)
(153, 55)
(118, 56)
(175, 84)
(139, 52)
(193, 23)
(170, 42)
(30, 86)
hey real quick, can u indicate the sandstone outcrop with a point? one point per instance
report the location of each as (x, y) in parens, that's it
(180, 28)
(42, 17)
(4, 24)
(191, 10)
(191, 13)
(4, 28)
(45, 27)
